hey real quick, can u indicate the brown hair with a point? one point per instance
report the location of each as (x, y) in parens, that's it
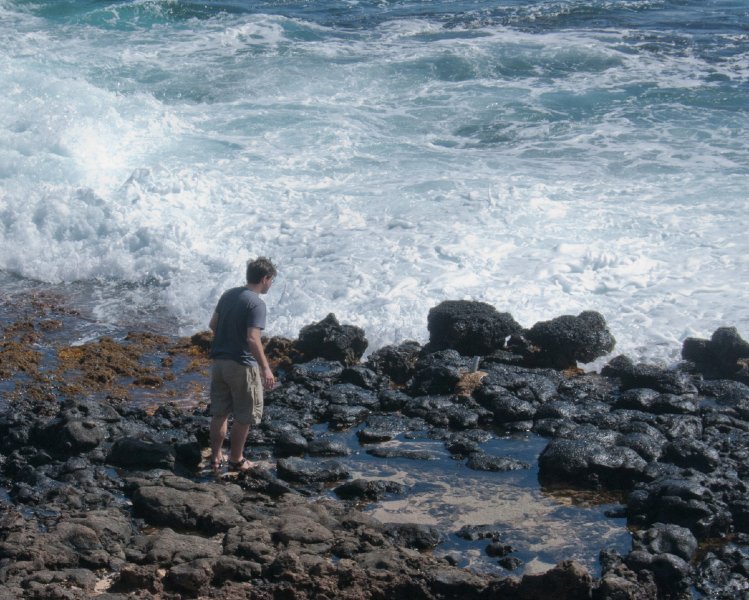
(259, 268)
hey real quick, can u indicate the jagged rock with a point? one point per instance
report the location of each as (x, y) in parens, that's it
(448, 582)
(132, 453)
(308, 471)
(393, 400)
(437, 373)
(291, 443)
(191, 578)
(472, 328)
(671, 573)
(69, 436)
(340, 417)
(185, 505)
(691, 453)
(567, 340)
(591, 464)
(684, 502)
(348, 394)
(325, 446)
(481, 461)
(510, 562)
(415, 535)
(250, 541)
(662, 538)
(330, 340)
(464, 443)
(399, 452)
(498, 549)
(641, 375)
(316, 374)
(396, 362)
(230, 568)
(566, 581)
(474, 533)
(65, 583)
(368, 489)
(624, 584)
(168, 548)
(93, 540)
(370, 435)
(139, 578)
(649, 447)
(720, 356)
(505, 406)
(363, 377)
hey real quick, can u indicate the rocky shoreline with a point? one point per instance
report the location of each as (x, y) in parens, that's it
(104, 493)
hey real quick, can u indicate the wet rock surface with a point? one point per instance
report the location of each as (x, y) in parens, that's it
(105, 491)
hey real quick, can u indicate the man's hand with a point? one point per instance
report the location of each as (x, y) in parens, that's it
(269, 381)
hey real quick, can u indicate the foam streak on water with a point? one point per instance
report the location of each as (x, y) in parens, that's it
(546, 157)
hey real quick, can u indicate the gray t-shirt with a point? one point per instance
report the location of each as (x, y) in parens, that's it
(238, 309)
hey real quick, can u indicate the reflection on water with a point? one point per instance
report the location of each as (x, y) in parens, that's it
(542, 527)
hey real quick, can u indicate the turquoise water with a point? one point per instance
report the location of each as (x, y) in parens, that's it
(546, 157)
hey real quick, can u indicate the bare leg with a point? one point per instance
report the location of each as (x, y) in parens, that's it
(217, 435)
(239, 433)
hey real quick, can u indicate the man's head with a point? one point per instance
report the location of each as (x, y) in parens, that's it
(261, 271)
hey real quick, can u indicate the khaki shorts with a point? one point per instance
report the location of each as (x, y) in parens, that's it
(236, 389)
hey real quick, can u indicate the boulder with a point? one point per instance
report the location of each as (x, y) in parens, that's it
(301, 470)
(316, 374)
(723, 355)
(414, 535)
(69, 435)
(590, 464)
(330, 340)
(640, 375)
(327, 446)
(191, 578)
(664, 538)
(679, 501)
(624, 584)
(691, 453)
(472, 328)
(185, 505)
(481, 461)
(368, 489)
(568, 580)
(567, 340)
(168, 548)
(396, 362)
(290, 443)
(438, 373)
(363, 377)
(133, 453)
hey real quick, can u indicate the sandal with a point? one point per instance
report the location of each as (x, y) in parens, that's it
(241, 466)
(218, 462)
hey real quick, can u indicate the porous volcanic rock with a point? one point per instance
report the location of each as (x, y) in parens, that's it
(470, 327)
(564, 341)
(330, 340)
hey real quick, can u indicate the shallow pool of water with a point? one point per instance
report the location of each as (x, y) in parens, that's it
(542, 526)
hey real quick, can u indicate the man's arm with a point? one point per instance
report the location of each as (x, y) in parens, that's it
(256, 349)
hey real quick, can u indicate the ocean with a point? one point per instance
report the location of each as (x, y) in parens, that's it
(546, 157)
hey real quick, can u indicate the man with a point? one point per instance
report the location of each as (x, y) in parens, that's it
(240, 368)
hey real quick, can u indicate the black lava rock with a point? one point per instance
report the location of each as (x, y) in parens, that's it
(472, 328)
(330, 340)
(567, 340)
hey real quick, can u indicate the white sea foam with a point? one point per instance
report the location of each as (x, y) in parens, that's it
(385, 170)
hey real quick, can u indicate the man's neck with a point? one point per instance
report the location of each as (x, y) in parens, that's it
(254, 287)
